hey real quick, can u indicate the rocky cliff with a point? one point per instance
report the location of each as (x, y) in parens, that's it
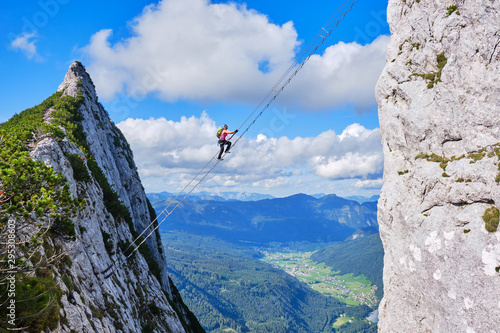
(95, 158)
(439, 110)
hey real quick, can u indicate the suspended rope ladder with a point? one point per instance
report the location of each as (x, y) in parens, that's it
(263, 105)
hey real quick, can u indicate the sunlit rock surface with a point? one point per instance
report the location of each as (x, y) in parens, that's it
(439, 110)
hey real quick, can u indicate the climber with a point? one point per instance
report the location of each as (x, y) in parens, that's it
(221, 134)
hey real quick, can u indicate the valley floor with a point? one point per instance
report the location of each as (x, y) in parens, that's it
(347, 288)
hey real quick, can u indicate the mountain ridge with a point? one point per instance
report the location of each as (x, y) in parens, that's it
(217, 196)
(297, 217)
(72, 133)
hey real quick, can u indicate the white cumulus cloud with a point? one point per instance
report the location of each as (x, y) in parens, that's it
(165, 144)
(346, 73)
(26, 44)
(170, 153)
(191, 49)
(203, 51)
(369, 183)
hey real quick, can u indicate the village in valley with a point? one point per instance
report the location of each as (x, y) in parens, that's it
(350, 289)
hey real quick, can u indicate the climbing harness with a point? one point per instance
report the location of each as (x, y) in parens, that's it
(264, 104)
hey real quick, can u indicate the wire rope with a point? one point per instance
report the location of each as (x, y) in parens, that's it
(287, 76)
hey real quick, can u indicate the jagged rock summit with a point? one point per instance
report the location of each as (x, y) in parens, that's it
(138, 296)
(439, 110)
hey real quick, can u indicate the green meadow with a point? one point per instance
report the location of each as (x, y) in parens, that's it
(341, 321)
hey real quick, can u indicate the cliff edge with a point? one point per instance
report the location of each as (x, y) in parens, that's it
(439, 111)
(96, 289)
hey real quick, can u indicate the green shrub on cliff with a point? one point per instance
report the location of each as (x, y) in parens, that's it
(434, 77)
(31, 190)
(29, 124)
(491, 219)
(36, 203)
(451, 9)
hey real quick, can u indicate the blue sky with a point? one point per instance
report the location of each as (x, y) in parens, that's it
(187, 66)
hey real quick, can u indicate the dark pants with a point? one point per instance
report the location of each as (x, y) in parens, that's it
(223, 143)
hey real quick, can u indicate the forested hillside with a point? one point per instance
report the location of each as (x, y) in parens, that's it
(364, 255)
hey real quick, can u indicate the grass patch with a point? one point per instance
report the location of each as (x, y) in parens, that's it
(452, 9)
(341, 321)
(443, 161)
(474, 157)
(434, 77)
(37, 303)
(491, 219)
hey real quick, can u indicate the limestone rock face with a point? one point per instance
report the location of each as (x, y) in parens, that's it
(439, 110)
(132, 298)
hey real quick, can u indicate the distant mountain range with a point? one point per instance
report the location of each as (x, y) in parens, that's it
(298, 217)
(245, 196)
(361, 199)
(215, 196)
